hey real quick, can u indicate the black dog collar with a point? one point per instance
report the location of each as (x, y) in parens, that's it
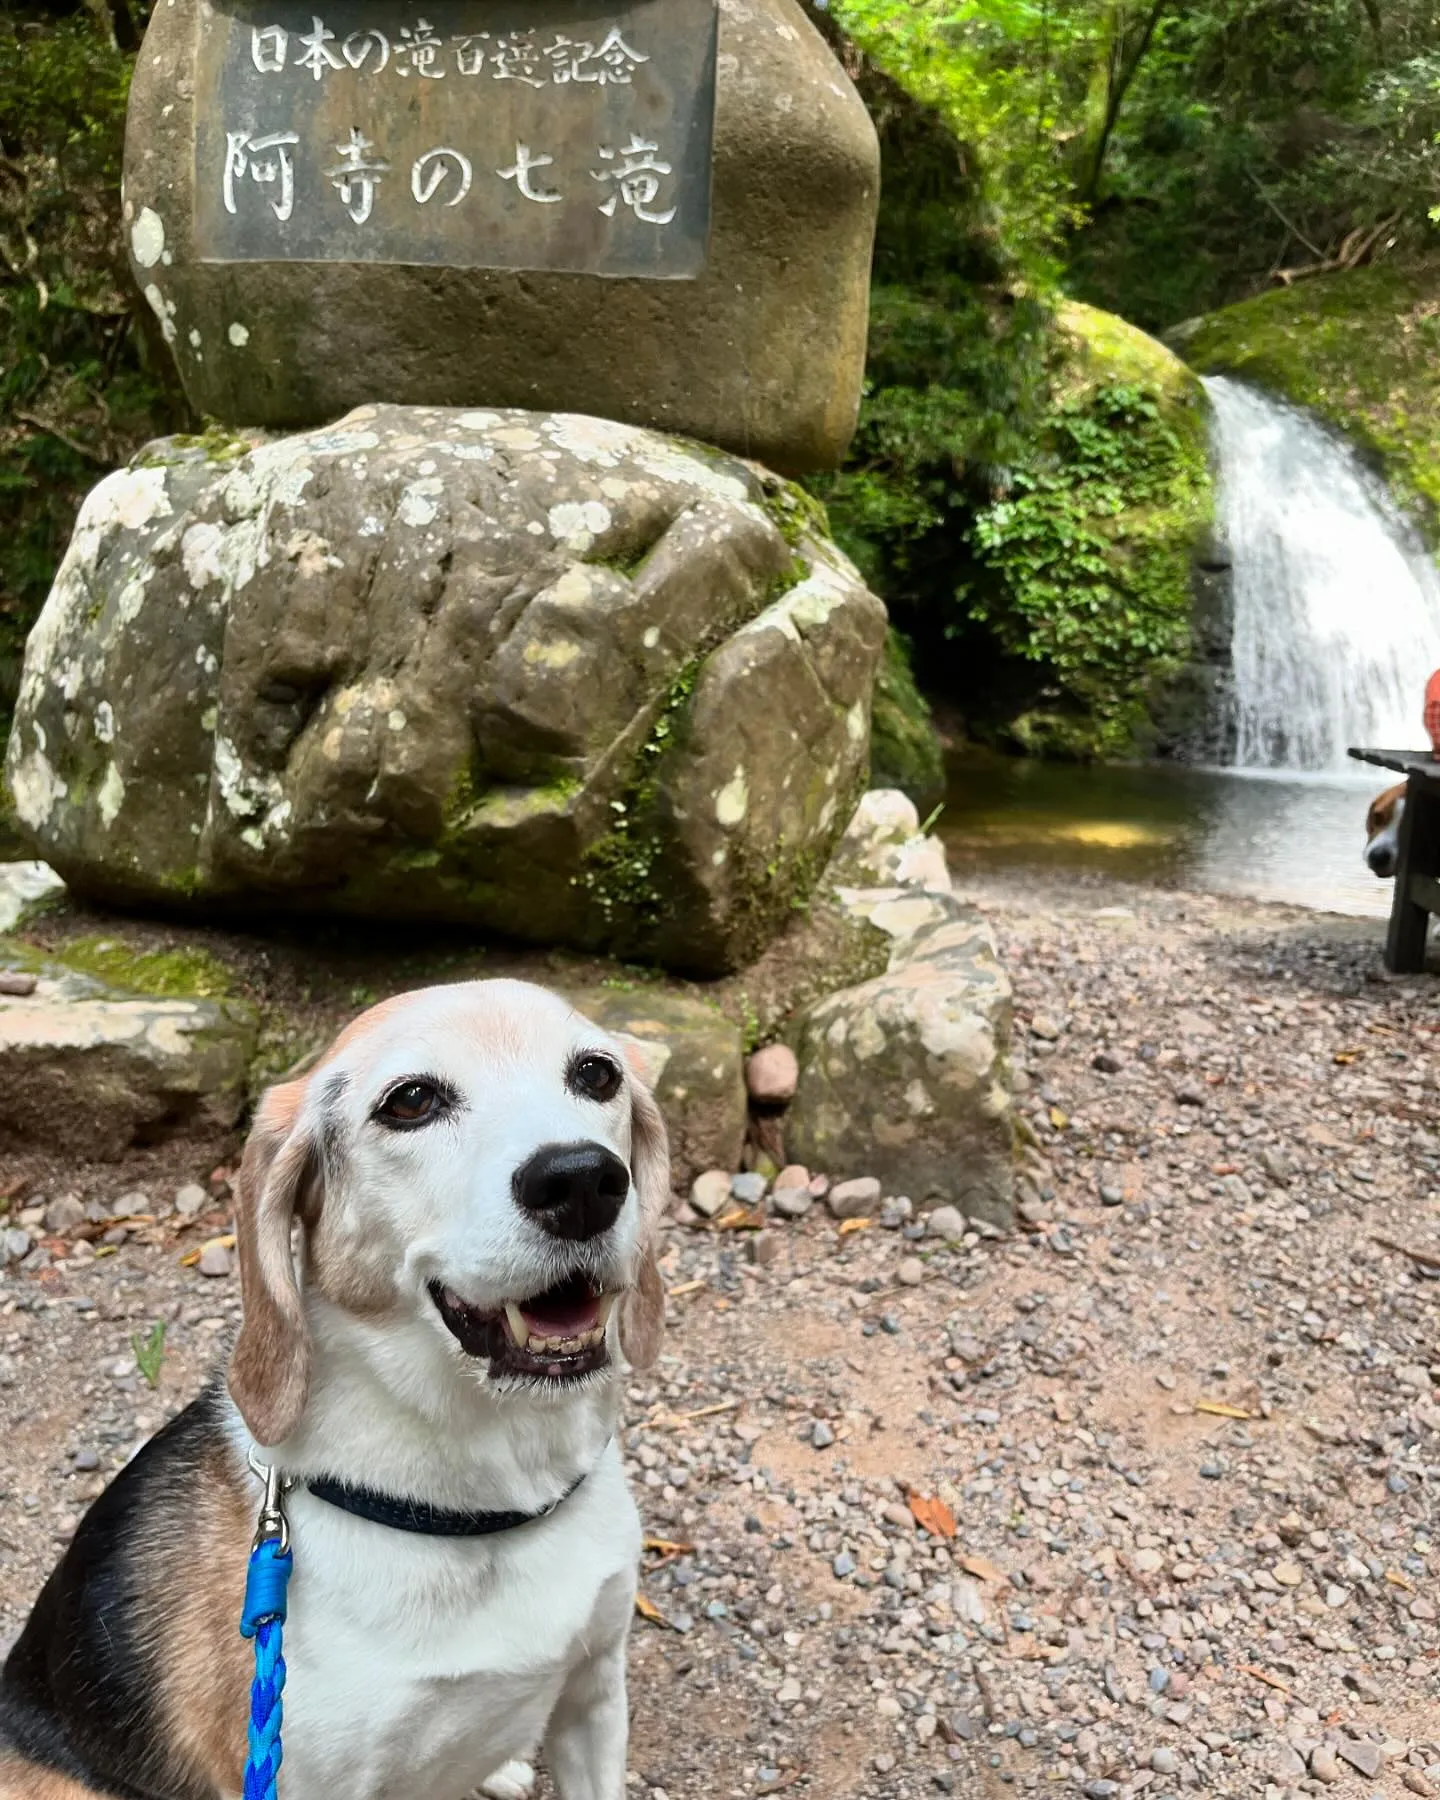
(419, 1516)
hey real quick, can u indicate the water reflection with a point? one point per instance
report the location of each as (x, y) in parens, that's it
(1275, 836)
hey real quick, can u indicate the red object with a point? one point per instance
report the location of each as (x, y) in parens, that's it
(1432, 711)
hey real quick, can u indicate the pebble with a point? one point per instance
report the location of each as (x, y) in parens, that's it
(1324, 1765)
(1045, 1028)
(772, 1075)
(1165, 1761)
(1107, 1062)
(1112, 1196)
(854, 1199)
(946, 1222)
(16, 984)
(843, 1565)
(710, 1192)
(64, 1214)
(911, 1272)
(748, 1188)
(791, 1202)
(191, 1199)
(15, 1244)
(214, 1260)
(793, 1175)
(821, 1436)
(1362, 1754)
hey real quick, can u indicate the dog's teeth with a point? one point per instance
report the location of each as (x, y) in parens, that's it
(607, 1303)
(519, 1330)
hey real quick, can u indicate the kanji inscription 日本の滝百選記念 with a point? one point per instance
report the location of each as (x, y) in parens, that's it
(353, 135)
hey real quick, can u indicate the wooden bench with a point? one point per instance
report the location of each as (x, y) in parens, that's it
(1417, 871)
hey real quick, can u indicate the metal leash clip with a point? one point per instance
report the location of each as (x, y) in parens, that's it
(272, 1522)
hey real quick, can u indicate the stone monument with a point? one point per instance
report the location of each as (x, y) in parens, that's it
(657, 211)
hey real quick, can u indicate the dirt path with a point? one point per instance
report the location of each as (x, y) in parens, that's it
(1185, 1423)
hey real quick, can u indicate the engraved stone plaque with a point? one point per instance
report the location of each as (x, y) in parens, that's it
(493, 134)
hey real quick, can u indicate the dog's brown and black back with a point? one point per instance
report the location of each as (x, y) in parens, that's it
(96, 1683)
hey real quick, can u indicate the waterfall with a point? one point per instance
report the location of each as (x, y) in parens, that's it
(1336, 603)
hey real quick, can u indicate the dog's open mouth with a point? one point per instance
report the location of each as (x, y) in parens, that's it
(557, 1335)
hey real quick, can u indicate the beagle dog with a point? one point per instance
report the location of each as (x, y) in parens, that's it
(432, 1364)
(1382, 831)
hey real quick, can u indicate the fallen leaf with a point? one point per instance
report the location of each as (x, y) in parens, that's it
(981, 1568)
(740, 1218)
(191, 1257)
(668, 1547)
(933, 1514)
(1273, 1681)
(1396, 1579)
(647, 1609)
(849, 1225)
(685, 1287)
(1058, 1118)
(1346, 1056)
(1222, 1409)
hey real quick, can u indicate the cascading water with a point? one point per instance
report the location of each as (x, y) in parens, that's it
(1336, 603)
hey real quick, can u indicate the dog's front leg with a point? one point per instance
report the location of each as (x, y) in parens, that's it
(589, 1728)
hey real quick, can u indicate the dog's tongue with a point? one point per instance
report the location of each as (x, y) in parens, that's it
(562, 1312)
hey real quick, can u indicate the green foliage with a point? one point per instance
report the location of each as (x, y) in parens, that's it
(1082, 568)
(78, 390)
(150, 1352)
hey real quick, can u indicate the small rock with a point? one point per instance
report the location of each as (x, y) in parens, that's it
(788, 1692)
(1189, 1096)
(1422, 1609)
(946, 1222)
(710, 1192)
(854, 1199)
(86, 1458)
(791, 1202)
(821, 1436)
(843, 1565)
(764, 1248)
(1323, 1764)
(191, 1199)
(1147, 1562)
(1112, 1196)
(1107, 1062)
(911, 1272)
(1164, 1761)
(214, 1260)
(772, 1075)
(1045, 1028)
(14, 1244)
(748, 1189)
(1417, 1783)
(1361, 1754)
(64, 1214)
(793, 1175)
(895, 1213)
(1288, 1574)
(17, 985)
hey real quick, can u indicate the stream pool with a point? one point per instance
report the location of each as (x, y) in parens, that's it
(1284, 835)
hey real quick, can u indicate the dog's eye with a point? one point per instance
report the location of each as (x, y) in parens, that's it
(595, 1077)
(411, 1103)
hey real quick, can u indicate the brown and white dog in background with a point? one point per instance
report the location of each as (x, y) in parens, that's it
(476, 1178)
(1382, 831)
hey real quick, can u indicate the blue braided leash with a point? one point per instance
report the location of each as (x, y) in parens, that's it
(263, 1618)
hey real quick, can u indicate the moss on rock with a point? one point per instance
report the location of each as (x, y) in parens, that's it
(905, 749)
(1360, 348)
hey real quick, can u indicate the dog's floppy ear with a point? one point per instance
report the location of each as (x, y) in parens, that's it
(270, 1365)
(642, 1311)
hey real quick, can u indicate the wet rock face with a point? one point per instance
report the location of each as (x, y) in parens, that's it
(563, 679)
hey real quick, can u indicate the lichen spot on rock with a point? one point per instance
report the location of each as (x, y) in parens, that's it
(111, 795)
(35, 787)
(651, 637)
(200, 553)
(147, 238)
(163, 309)
(105, 722)
(128, 499)
(421, 501)
(855, 722)
(556, 655)
(577, 523)
(733, 800)
(238, 334)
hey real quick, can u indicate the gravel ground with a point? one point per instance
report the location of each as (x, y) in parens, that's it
(1174, 1445)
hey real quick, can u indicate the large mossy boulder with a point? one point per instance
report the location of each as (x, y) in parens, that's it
(1361, 348)
(561, 679)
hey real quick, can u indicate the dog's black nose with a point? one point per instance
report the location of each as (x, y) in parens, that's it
(573, 1190)
(1381, 861)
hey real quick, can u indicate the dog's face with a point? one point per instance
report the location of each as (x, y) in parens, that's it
(1382, 831)
(477, 1159)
